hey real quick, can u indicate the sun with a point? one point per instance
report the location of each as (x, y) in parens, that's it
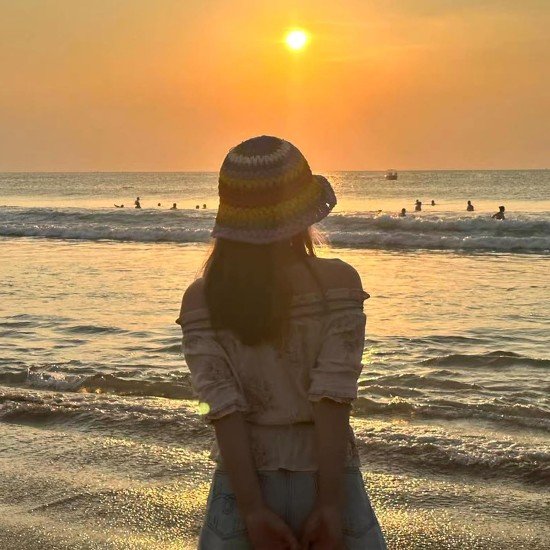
(297, 39)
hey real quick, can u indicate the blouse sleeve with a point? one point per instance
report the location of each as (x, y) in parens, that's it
(211, 375)
(338, 365)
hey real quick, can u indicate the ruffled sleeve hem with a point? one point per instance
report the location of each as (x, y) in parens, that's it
(224, 410)
(343, 399)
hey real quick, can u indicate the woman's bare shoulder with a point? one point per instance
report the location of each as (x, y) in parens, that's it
(193, 297)
(335, 273)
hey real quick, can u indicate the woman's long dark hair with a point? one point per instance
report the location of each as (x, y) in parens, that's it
(247, 287)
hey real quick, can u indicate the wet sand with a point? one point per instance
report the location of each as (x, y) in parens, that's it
(111, 486)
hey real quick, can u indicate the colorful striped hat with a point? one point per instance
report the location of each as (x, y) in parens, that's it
(268, 193)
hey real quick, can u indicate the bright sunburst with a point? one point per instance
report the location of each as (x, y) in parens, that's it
(296, 39)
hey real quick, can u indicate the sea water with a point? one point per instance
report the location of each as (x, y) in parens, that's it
(98, 426)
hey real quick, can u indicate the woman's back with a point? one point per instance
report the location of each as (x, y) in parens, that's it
(274, 386)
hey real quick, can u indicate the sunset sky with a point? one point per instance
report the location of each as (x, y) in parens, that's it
(172, 84)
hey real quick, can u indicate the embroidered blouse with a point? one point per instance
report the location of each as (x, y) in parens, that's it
(274, 387)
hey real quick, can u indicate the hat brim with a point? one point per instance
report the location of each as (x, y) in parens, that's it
(319, 209)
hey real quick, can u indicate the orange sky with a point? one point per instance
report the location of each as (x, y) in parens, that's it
(172, 84)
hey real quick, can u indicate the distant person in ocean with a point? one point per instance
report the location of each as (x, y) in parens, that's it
(500, 214)
(288, 472)
(159, 204)
(137, 204)
(403, 213)
(174, 206)
(470, 207)
(204, 206)
(119, 206)
(197, 207)
(418, 206)
(433, 202)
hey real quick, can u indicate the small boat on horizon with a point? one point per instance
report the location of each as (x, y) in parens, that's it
(391, 175)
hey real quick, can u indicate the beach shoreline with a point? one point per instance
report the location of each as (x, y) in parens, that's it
(68, 485)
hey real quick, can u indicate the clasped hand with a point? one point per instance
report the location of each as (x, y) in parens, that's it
(321, 531)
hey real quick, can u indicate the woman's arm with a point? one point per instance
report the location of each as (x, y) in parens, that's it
(323, 528)
(234, 447)
(333, 387)
(266, 530)
(331, 433)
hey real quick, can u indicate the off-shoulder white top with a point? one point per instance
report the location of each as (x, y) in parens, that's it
(274, 388)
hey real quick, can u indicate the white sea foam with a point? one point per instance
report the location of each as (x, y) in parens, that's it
(429, 446)
(451, 232)
(523, 233)
(435, 447)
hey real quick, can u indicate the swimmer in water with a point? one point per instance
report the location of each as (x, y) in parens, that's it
(197, 206)
(137, 204)
(174, 206)
(119, 206)
(433, 202)
(403, 213)
(500, 214)
(470, 207)
(203, 206)
(159, 204)
(418, 206)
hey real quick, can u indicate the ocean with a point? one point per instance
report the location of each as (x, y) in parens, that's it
(101, 442)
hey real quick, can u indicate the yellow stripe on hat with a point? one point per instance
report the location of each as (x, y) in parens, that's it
(270, 216)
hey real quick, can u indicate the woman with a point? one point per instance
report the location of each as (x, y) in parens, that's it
(273, 337)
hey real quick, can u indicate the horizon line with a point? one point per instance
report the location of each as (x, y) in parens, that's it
(316, 171)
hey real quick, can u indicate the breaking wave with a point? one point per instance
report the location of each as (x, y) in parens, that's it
(430, 447)
(527, 233)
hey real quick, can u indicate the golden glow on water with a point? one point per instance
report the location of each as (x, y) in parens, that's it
(368, 355)
(142, 481)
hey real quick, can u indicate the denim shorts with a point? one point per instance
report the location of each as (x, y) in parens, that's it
(291, 495)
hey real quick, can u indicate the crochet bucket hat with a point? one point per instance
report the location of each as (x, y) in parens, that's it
(268, 193)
